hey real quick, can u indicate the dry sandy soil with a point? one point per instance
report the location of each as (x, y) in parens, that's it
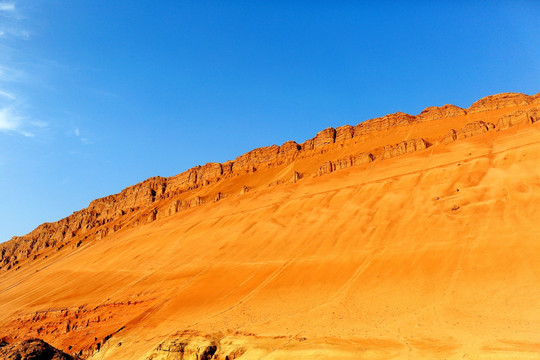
(426, 254)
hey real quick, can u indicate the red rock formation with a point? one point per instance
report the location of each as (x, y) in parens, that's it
(32, 349)
(364, 158)
(307, 145)
(74, 324)
(249, 161)
(449, 137)
(518, 117)
(196, 201)
(473, 129)
(383, 123)
(160, 197)
(326, 168)
(343, 163)
(289, 148)
(434, 112)
(133, 205)
(501, 101)
(325, 137)
(209, 173)
(296, 176)
(404, 147)
(344, 133)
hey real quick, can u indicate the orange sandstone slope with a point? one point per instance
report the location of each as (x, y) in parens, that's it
(401, 237)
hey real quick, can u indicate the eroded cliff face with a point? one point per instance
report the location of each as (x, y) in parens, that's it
(86, 328)
(139, 203)
(501, 101)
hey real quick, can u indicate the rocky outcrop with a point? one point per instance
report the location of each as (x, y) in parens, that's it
(435, 113)
(325, 137)
(198, 176)
(404, 147)
(501, 101)
(449, 137)
(174, 207)
(209, 173)
(383, 123)
(364, 158)
(137, 204)
(129, 199)
(344, 133)
(63, 324)
(473, 129)
(98, 214)
(518, 117)
(196, 201)
(32, 349)
(190, 346)
(249, 161)
(289, 148)
(307, 145)
(343, 163)
(326, 168)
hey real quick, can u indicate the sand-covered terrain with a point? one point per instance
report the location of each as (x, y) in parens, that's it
(409, 237)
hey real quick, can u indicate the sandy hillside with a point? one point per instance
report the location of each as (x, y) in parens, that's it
(402, 237)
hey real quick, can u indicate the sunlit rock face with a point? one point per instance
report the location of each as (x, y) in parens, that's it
(400, 237)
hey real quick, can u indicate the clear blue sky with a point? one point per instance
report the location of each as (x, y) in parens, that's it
(99, 95)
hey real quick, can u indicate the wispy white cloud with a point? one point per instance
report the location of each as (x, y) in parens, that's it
(14, 32)
(7, 6)
(8, 120)
(39, 123)
(14, 118)
(7, 95)
(84, 139)
(9, 74)
(12, 122)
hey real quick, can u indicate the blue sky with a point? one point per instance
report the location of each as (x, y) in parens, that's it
(99, 95)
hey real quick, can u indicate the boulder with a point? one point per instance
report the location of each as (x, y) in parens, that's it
(32, 349)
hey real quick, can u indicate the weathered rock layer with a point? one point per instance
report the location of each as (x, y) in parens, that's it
(134, 205)
(398, 237)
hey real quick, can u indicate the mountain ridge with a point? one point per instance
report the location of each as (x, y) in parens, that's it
(410, 241)
(105, 210)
